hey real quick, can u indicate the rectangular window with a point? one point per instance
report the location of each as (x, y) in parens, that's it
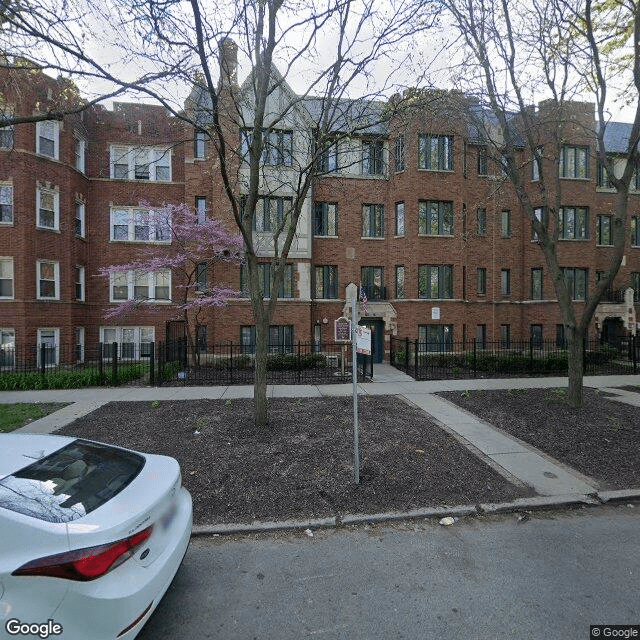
(574, 162)
(6, 278)
(7, 347)
(47, 134)
(201, 209)
(326, 282)
(535, 336)
(481, 221)
(328, 160)
(400, 282)
(399, 157)
(265, 278)
(604, 230)
(272, 212)
(80, 284)
(48, 216)
(635, 285)
(48, 274)
(603, 177)
(79, 148)
(325, 219)
(536, 165)
(201, 338)
(481, 336)
(372, 281)
(435, 337)
(482, 161)
(435, 281)
(482, 281)
(505, 336)
(435, 153)
(199, 145)
(6, 203)
(435, 218)
(281, 338)
(399, 218)
(140, 285)
(139, 225)
(248, 339)
(505, 223)
(277, 146)
(131, 342)
(201, 277)
(373, 221)
(48, 343)
(79, 220)
(372, 157)
(635, 231)
(561, 341)
(576, 281)
(505, 282)
(536, 284)
(540, 215)
(140, 163)
(79, 344)
(6, 137)
(573, 223)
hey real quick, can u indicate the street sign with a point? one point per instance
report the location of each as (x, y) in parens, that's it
(363, 340)
(342, 330)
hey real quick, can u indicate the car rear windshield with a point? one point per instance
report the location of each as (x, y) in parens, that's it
(71, 482)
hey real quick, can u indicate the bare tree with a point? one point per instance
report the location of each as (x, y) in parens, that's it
(332, 51)
(560, 50)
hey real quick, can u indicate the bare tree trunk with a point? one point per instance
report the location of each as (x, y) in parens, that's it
(576, 367)
(260, 381)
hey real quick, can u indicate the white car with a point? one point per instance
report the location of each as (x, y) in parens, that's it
(91, 536)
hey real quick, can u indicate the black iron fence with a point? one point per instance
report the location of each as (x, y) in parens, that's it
(468, 359)
(173, 363)
(232, 363)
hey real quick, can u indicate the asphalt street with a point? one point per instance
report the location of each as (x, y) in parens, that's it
(547, 577)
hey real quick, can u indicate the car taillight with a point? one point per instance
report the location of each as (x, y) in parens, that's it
(85, 564)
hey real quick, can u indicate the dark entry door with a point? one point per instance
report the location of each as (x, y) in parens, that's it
(377, 337)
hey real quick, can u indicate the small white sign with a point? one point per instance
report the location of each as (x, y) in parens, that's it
(435, 313)
(363, 340)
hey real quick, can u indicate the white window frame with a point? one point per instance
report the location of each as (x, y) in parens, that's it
(79, 344)
(81, 210)
(156, 225)
(8, 260)
(40, 126)
(80, 159)
(7, 346)
(141, 336)
(80, 280)
(56, 275)
(56, 343)
(8, 185)
(131, 156)
(141, 279)
(56, 208)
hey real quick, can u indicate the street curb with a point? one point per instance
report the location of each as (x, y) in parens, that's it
(620, 494)
(519, 504)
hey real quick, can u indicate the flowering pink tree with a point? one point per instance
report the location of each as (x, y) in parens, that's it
(185, 247)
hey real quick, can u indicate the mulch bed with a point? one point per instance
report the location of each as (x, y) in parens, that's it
(302, 464)
(601, 440)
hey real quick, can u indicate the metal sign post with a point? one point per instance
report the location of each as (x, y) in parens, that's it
(353, 295)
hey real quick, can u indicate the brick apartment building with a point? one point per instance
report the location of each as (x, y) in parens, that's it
(412, 208)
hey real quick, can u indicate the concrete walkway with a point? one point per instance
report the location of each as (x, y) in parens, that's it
(518, 461)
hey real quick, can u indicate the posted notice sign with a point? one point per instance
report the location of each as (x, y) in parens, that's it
(363, 340)
(342, 330)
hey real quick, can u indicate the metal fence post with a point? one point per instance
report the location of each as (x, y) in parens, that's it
(43, 354)
(634, 348)
(299, 363)
(152, 364)
(475, 358)
(415, 359)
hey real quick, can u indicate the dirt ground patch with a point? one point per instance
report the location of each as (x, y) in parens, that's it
(302, 464)
(601, 440)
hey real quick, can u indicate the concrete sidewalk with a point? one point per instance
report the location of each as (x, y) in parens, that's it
(555, 483)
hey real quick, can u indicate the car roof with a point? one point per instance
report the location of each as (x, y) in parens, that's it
(17, 450)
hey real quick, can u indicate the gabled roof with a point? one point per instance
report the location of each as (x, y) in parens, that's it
(616, 137)
(363, 117)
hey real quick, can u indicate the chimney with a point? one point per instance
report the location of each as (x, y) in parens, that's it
(228, 56)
